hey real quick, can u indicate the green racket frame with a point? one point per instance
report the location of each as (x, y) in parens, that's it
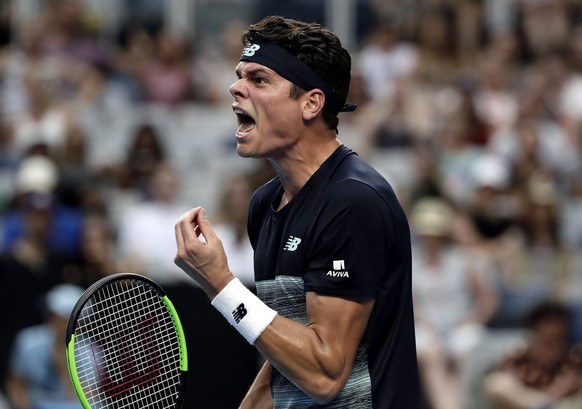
(81, 303)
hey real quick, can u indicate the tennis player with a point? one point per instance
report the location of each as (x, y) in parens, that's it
(333, 316)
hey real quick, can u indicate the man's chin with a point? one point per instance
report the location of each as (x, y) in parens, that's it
(244, 152)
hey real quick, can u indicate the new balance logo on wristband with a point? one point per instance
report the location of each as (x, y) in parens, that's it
(235, 301)
(239, 313)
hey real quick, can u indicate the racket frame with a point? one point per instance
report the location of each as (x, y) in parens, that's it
(72, 323)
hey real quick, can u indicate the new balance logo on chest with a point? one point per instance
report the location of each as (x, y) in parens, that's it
(292, 243)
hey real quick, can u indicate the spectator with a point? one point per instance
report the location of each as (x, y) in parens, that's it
(99, 255)
(453, 302)
(71, 37)
(541, 267)
(126, 183)
(25, 59)
(45, 121)
(456, 160)
(167, 79)
(231, 225)
(495, 100)
(136, 49)
(385, 60)
(38, 377)
(388, 123)
(77, 187)
(546, 25)
(146, 237)
(437, 50)
(492, 208)
(35, 184)
(536, 139)
(545, 372)
(27, 271)
(70, 40)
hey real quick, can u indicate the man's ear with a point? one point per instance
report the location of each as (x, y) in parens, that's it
(313, 102)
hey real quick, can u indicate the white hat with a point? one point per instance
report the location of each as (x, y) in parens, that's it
(36, 174)
(61, 299)
(491, 171)
(432, 217)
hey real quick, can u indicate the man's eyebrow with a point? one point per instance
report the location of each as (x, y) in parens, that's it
(260, 70)
(251, 72)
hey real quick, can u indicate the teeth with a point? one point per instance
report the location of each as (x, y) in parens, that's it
(243, 132)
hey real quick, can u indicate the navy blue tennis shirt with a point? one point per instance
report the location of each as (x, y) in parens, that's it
(344, 234)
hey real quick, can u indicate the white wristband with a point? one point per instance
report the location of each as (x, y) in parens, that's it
(243, 310)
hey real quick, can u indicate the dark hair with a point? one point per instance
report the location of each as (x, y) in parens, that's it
(547, 309)
(313, 44)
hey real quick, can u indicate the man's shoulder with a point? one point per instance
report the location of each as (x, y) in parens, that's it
(33, 339)
(355, 178)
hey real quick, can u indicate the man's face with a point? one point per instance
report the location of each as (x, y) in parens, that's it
(268, 118)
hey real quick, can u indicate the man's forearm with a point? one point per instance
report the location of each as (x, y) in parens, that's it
(259, 394)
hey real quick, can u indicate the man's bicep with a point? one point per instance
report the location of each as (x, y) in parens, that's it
(339, 322)
(318, 357)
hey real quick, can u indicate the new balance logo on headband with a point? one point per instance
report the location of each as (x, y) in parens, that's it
(251, 50)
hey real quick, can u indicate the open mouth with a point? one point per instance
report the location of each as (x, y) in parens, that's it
(246, 123)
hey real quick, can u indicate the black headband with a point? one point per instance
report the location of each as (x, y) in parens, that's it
(288, 66)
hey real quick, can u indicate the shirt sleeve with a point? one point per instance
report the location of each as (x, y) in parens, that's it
(23, 354)
(352, 241)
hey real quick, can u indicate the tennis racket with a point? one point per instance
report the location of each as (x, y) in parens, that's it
(126, 346)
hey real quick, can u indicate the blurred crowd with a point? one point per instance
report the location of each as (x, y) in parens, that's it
(472, 109)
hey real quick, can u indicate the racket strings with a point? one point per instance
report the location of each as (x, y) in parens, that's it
(142, 317)
(132, 379)
(166, 332)
(128, 354)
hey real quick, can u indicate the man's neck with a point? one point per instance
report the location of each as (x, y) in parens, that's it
(296, 168)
